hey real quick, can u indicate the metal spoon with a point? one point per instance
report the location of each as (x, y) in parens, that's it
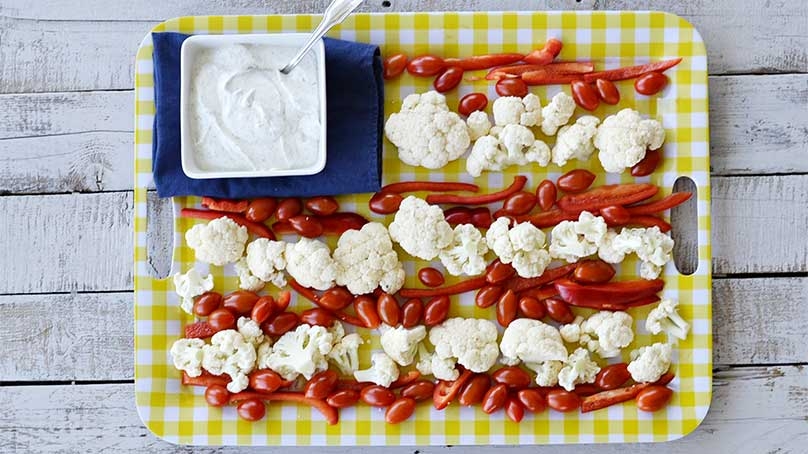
(334, 14)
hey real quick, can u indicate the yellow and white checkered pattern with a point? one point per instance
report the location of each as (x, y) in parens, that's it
(611, 39)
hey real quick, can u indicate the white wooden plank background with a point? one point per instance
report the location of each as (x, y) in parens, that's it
(66, 204)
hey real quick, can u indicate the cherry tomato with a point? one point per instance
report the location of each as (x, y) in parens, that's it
(280, 324)
(512, 376)
(400, 410)
(612, 376)
(252, 410)
(607, 91)
(532, 308)
(388, 309)
(365, 308)
(511, 87)
(217, 395)
(377, 396)
(322, 206)
(425, 66)
(532, 400)
(495, 398)
(481, 217)
(498, 272)
(343, 398)
(472, 102)
(448, 79)
(265, 380)
(559, 310)
(317, 317)
(575, 180)
(222, 319)
(288, 208)
(457, 215)
(474, 391)
(385, 203)
(263, 309)
(306, 226)
(593, 272)
(419, 390)
(336, 298)
(488, 296)
(514, 409)
(654, 398)
(283, 300)
(320, 385)
(615, 215)
(519, 203)
(431, 277)
(648, 164)
(546, 193)
(584, 95)
(259, 210)
(411, 312)
(651, 83)
(507, 305)
(394, 65)
(563, 400)
(240, 302)
(207, 303)
(436, 310)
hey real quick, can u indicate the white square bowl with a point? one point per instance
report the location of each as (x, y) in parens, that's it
(188, 54)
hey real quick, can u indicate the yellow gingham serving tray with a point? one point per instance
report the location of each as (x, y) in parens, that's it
(180, 415)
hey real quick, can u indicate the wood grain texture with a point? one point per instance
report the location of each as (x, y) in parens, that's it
(66, 337)
(65, 243)
(754, 410)
(39, 55)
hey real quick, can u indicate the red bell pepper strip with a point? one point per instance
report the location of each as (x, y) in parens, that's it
(456, 289)
(206, 379)
(436, 186)
(304, 291)
(446, 391)
(542, 77)
(256, 228)
(675, 199)
(617, 307)
(649, 221)
(199, 330)
(630, 72)
(603, 196)
(519, 182)
(349, 319)
(231, 206)
(541, 293)
(546, 54)
(330, 413)
(519, 284)
(613, 293)
(484, 61)
(608, 398)
(546, 219)
(563, 67)
(405, 379)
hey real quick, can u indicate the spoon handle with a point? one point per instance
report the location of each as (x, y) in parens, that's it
(335, 13)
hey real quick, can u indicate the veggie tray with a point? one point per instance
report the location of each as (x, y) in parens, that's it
(180, 414)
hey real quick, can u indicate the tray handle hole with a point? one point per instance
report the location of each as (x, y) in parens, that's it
(685, 233)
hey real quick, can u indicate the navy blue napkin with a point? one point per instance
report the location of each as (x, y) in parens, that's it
(354, 100)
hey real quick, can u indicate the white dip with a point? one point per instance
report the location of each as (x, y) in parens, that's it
(246, 115)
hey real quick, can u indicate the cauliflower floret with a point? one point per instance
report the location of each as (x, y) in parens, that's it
(472, 341)
(546, 372)
(263, 351)
(190, 285)
(420, 228)
(532, 114)
(479, 124)
(383, 372)
(623, 138)
(649, 271)
(218, 242)
(250, 331)
(426, 133)
(574, 240)
(571, 332)
(187, 356)
(656, 247)
(466, 254)
(440, 368)
(513, 110)
(612, 330)
(301, 352)
(401, 343)
(522, 246)
(610, 251)
(366, 260)
(557, 113)
(531, 341)
(246, 280)
(345, 353)
(513, 145)
(665, 317)
(649, 363)
(229, 353)
(575, 141)
(578, 368)
(653, 248)
(309, 262)
(267, 260)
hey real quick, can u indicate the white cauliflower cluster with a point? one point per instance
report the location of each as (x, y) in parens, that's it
(187, 356)
(577, 368)
(420, 229)
(250, 331)
(431, 364)
(426, 133)
(606, 333)
(574, 240)
(266, 260)
(513, 110)
(309, 262)
(246, 279)
(382, 372)
(401, 343)
(575, 141)
(522, 246)
(218, 242)
(366, 260)
(514, 144)
(470, 342)
(479, 124)
(300, 352)
(648, 364)
(557, 113)
(229, 353)
(623, 138)
(536, 344)
(465, 255)
(652, 247)
(345, 352)
(190, 285)
(665, 317)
